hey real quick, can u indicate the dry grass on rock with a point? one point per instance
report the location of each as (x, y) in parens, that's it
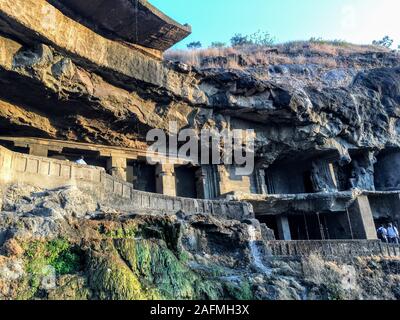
(322, 53)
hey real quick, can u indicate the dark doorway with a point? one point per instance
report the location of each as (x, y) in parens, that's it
(142, 176)
(298, 228)
(307, 227)
(92, 158)
(10, 146)
(308, 185)
(343, 175)
(289, 178)
(185, 182)
(271, 223)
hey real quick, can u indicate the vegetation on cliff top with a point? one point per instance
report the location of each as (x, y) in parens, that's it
(261, 48)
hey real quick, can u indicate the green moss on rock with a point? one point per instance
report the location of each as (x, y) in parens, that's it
(110, 278)
(242, 291)
(40, 257)
(157, 266)
(129, 261)
(70, 287)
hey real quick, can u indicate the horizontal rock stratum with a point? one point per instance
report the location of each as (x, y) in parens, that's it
(37, 20)
(58, 55)
(133, 21)
(57, 80)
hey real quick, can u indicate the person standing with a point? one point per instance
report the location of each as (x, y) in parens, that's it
(81, 161)
(393, 234)
(382, 234)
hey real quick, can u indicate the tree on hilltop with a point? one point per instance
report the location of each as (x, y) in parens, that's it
(239, 40)
(218, 44)
(259, 38)
(385, 42)
(194, 45)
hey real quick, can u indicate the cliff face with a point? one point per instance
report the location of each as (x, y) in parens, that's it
(299, 116)
(62, 244)
(295, 108)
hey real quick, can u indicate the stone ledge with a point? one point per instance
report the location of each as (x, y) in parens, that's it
(149, 27)
(56, 80)
(36, 21)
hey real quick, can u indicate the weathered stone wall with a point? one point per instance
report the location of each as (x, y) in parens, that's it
(229, 183)
(50, 173)
(6, 158)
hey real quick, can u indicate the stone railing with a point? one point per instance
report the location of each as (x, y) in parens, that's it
(51, 173)
(333, 248)
(123, 194)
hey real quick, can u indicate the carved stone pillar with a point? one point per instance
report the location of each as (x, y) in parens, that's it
(38, 150)
(210, 181)
(201, 183)
(116, 166)
(165, 179)
(283, 228)
(361, 219)
(261, 184)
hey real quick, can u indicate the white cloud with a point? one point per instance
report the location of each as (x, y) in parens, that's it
(348, 18)
(368, 20)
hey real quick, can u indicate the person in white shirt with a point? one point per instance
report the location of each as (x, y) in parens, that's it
(382, 234)
(81, 161)
(393, 234)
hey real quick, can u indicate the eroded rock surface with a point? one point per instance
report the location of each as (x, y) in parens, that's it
(93, 89)
(340, 110)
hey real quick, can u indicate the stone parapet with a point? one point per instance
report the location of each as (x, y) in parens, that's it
(51, 173)
(6, 160)
(333, 248)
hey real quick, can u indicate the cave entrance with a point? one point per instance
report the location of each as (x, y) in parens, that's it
(308, 175)
(343, 174)
(386, 170)
(289, 178)
(307, 182)
(285, 180)
(305, 227)
(185, 180)
(385, 209)
(142, 175)
(322, 226)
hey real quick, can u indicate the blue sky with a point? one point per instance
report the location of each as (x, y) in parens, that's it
(357, 21)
